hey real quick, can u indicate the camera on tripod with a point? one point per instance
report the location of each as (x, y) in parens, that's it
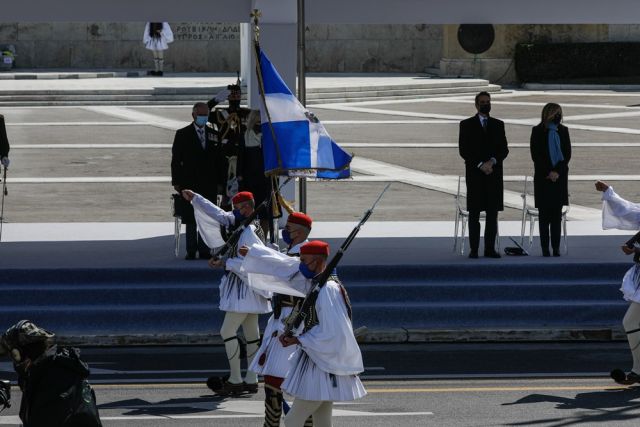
(5, 394)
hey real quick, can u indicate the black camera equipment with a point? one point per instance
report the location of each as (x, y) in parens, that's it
(5, 395)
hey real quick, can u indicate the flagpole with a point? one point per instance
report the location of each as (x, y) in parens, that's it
(255, 14)
(302, 92)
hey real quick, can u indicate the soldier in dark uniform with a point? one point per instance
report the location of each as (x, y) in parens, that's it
(230, 126)
(483, 146)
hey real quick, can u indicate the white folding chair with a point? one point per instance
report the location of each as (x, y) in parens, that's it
(530, 213)
(462, 218)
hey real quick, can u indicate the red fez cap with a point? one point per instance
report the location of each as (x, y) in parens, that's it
(315, 247)
(243, 196)
(300, 219)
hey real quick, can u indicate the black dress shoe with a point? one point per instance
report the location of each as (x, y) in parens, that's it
(546, 253)
(491, 254)
(625, 379)
(556, 252)
(473, 254)
(190, 256)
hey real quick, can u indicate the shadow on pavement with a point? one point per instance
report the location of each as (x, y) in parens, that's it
(608, 406)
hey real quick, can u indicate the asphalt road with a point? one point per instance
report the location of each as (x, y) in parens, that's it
(542, 384)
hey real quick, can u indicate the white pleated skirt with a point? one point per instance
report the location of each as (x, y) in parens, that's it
(631, 284)
(236, 296)
(272, 358)
(307, 381)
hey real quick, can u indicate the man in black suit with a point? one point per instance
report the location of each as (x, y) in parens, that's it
(197, 164)
(4, 144)
(483, 146)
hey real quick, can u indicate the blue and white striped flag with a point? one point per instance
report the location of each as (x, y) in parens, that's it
(302, 146)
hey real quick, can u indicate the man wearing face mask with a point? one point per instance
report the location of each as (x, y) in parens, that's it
(230, 124)
(241, 304)
(329, 362)
(197, 164)
(326, 365)
(483, 146)
(273, 360)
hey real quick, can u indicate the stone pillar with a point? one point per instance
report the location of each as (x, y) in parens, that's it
(278, 39)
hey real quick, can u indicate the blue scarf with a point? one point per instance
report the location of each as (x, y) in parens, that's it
(554, 145)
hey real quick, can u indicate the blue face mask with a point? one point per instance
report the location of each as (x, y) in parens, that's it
(286, 237)
(201, 120)
(306, 272)
(238, 215)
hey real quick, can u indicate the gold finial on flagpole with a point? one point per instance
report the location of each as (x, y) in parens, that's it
(256, 15)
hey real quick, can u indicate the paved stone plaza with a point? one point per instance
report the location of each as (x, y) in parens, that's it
(111, 163)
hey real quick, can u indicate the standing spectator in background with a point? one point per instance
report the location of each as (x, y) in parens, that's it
(551, 151)
(197, 164)
(251, 166)
(156, 38)
(4, 144)
(483, 146)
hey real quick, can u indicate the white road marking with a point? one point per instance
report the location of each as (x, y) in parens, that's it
(90, 179)
(466, 99)
(523, 122)
(138, 116)
(49, 124)
(90, 146)
(447, 184)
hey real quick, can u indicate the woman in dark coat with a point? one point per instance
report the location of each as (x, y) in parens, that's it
(551, 152)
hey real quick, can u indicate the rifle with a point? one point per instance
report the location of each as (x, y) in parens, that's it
(4, 193)
(299, 313)
(235, 236)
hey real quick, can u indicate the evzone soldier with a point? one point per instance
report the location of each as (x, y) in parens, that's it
(326, 367)
(273, 360)
(241, 304)
(620, 213)
(230, 126)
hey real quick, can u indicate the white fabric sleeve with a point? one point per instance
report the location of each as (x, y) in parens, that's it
(220, 215)
(145, 37)
(331, 344)
(272, 271)
(619, 213)
(248, 238)
(167, 33)
(208, 228)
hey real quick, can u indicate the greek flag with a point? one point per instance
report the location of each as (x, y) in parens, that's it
(302, 146)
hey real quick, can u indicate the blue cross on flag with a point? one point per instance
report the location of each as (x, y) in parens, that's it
(297, 144)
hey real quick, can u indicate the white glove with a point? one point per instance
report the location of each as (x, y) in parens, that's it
(222, 95)
(5, 162)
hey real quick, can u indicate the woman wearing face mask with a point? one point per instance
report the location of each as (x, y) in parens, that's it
(551, 152)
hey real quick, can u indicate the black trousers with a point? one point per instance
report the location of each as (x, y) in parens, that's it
(194, 241)
(490, 230)
(550, 220)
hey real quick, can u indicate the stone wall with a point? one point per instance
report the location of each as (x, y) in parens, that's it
(496, 64)
(214, 47)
